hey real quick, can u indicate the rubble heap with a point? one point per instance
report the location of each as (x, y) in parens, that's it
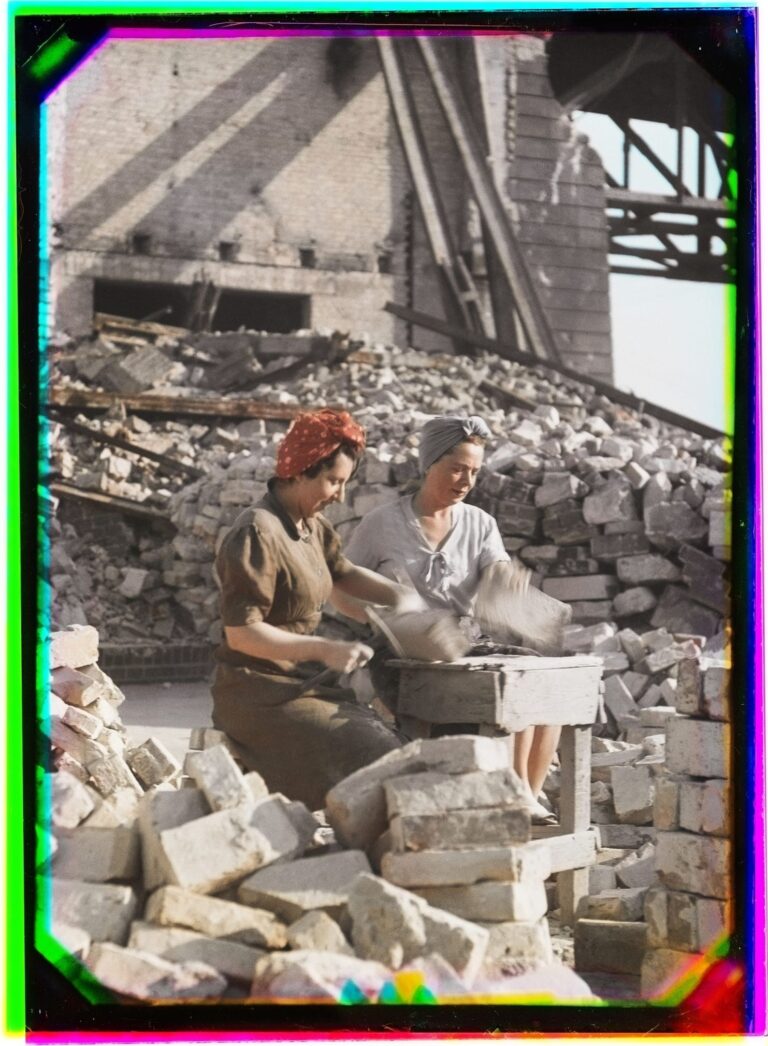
(171, 882)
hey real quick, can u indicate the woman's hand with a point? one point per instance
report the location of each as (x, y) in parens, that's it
(345, 657)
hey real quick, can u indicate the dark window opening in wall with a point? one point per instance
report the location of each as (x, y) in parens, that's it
(384, 263)
(141, 242)
(254, 310)
(137, 300)
(307, 257)
(227, 250)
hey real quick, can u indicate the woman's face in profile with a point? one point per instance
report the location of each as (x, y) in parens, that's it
(317, 492)
(452, 477)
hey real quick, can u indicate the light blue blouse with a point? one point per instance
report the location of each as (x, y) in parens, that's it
(390, 541)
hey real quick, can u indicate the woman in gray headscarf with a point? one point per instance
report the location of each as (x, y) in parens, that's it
(449, 551)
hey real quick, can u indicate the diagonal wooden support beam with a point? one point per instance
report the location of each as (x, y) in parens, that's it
(538, 332)
(425, 186)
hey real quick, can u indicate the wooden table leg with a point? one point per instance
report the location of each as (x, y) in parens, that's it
(575, 780)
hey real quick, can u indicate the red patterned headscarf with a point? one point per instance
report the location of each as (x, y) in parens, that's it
(313, 437)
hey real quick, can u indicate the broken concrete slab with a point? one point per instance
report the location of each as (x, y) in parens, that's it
(464, 867)
(145, 976)
(698, 747)
(70, 801)
(207, 854)
(620, 905)
(638, 869)
(291, 890)
(214, 917)
(233, 960)
(159, 811)
(317, 931)
(103, 910)
(510, 943)
(97, 855)
(387, 922)
(316, 976)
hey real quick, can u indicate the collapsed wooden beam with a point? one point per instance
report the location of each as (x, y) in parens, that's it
(99, 497)
(176, 406)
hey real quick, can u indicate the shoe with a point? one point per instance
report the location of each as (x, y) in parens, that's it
(540, 814)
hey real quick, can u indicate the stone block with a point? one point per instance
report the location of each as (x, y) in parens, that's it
(97, 855)
(211, 852)
(612, 502)
(159, 811)
(433, 793)
(70, 800)
(76, 941)
(610, 547)
(106, 712)
(601, 877)
(679, 614)
(631, 644)
(490, 901)
(663, 969)
(635, 682)
(618, 700)
(387, 922)
(688, 691)
(356, 807)
(670, 525)
(716, 690)
(666, 804)
(651, 698)
(578, 639)
(594, 586)
(511, 943)
(633, 791)
(233, 960)
(316, 976)
(318, 932)
(103, 910)
(557, 488)
(698, 747)
(82, 722)
(73, 647)
(81, 749)
(485, 827)
(153, 763)
(218, 777)
(464, 867)
(634, 601)
(120, 808)
(74, 687)
(657, 716)
(618, 905)
(144, 976)
(134, 580)
(110, 773)
(719, 531)
(137, 371)
(625, 836)
(108, 688)
(214, 917)
(291, 890)
(586, 611)
(644, 569)
(694, 862)
(705, 807)
(638, 869)
(608, 946)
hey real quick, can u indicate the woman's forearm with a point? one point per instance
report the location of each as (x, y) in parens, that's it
(273, 644)
(368, 586)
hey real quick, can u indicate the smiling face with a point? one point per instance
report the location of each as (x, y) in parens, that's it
(452, 477)
(314, 493)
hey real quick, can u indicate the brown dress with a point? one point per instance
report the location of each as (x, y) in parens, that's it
(301, 743)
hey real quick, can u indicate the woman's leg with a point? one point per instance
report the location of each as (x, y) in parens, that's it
(523, 740)
(542, 751)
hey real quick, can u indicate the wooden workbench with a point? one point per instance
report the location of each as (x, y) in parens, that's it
(503, 694)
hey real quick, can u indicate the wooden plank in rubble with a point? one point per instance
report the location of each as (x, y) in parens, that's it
(175, 406)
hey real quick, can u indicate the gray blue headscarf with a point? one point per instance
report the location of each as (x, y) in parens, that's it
(442, 434)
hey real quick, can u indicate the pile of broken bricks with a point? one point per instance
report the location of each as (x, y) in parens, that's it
(194, 882)
(619, 514)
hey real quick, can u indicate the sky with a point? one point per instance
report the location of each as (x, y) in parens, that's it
(669, 336)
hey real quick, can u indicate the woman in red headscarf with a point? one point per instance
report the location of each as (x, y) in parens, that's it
(276, 567)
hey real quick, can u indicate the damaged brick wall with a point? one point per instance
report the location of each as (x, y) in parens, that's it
(274, 165)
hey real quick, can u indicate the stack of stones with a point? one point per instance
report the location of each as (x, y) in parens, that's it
(170, 882)
(689, 913)
(454, 829)
(622, 516)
